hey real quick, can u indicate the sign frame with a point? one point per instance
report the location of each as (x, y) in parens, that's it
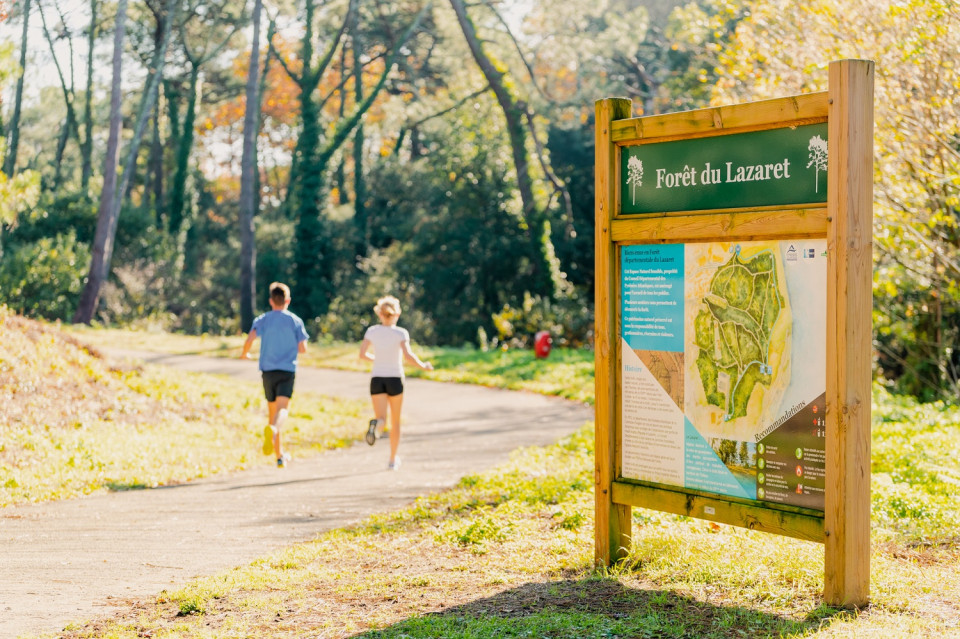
(846, 224)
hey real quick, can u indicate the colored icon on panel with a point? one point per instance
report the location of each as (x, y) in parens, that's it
(799, 470)
(799, 453)
(760, 463)
(760, 493)
(761, 478)
(760, 449)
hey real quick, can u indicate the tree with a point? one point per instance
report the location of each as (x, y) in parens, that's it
(516, 113)
(818, 158)
(111, 197)
(203, 35)
(13, 144)
(249, 194)
(780, 49)
(106, 217)
(86, 147)
(313, 259)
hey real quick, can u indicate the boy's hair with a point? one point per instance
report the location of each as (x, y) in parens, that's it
(388, 306)
(279, 293)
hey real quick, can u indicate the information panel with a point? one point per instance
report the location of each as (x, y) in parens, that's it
(723, 368)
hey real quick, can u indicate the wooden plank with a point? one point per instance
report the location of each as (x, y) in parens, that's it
(849, 305)
(722, 227)
(788, 522)
(738, 118)
(613, 522)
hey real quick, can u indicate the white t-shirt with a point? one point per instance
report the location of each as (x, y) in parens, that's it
(388, 354)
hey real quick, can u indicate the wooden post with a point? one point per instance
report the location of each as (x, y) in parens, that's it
(613, 521)
(849, 306)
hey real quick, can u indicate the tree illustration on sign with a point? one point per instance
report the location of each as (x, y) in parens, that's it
(634, 175)
(818, 158)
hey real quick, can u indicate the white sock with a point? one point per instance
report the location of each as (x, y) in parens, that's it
(278, 422)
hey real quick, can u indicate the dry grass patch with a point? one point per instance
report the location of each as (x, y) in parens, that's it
(75, 423)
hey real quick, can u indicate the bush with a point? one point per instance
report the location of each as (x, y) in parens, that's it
(44, 278)
(569, 320)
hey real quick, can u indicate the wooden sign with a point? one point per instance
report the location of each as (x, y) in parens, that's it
(733, 309)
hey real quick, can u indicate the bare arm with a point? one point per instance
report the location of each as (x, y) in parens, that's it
(302, 347)
(245, 353)
(364, 355)
(411, 357)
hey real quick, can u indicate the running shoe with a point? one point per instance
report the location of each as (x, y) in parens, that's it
(394, 465)
(267, 440)
(283, 460)
(371, 436)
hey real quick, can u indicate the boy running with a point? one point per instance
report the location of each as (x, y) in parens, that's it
(282, 337)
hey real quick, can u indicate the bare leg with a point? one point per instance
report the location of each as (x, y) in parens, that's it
(278, 415)
(396, 403)
(379, 402)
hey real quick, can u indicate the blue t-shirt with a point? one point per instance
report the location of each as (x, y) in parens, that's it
(280, 334)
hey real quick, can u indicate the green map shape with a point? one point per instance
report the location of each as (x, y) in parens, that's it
(733, 330)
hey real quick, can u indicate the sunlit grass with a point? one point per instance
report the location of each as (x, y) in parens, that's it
(565, 373)
(74, 424)
(509, 553)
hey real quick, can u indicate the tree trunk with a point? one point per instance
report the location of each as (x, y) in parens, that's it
(249, 195)
(10, 162)
(514, 112)
(58, 156)
(106, 219)
(179, 187)
(359, 186)
(340, 177)
(154, 73)
(86, 148)
(155, 172)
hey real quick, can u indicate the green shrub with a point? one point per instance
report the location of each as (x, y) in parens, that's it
(44, 278)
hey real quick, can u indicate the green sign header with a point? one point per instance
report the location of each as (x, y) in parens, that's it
(776, 167)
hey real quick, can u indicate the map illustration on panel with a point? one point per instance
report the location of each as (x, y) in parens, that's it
(734, 330)
(739, 336)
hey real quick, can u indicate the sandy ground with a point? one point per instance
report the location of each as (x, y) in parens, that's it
(71, 560)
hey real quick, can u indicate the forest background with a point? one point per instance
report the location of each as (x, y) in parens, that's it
(164, 160)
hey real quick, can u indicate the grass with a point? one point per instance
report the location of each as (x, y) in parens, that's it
(509, 552)
(565, 373)
(73, 423)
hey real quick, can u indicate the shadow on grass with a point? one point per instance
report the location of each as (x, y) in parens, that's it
(598, 608)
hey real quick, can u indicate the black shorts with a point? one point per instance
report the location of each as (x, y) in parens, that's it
(390, 385)
(277, 384)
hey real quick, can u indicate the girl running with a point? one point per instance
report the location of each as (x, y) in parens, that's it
(391, 346)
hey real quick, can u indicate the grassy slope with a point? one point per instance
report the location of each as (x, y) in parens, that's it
(509, 553)
(73, 423)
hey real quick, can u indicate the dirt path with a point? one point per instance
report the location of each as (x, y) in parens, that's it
(69, 560)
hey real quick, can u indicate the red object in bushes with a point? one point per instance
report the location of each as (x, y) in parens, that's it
(542, 343)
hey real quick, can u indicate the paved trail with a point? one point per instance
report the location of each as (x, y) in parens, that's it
(70, 560)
